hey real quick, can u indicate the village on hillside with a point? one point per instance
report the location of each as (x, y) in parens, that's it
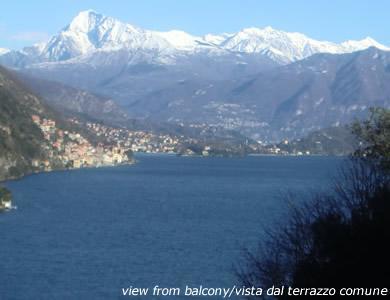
(75, 151)
(72, 150)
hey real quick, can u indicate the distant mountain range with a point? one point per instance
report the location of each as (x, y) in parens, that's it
(287, 102)
(265, 83)
(3, 51)
(90, 33)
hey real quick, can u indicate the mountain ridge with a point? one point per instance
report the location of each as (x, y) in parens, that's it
(90, 31)
(73, 102)
(286, 102)
(265, 83)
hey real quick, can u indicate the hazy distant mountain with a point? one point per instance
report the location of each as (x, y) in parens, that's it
(321, 91)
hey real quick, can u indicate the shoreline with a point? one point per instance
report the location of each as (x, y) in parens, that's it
(134, 161)
(27, 174)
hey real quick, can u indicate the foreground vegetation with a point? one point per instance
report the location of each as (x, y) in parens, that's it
(339, 239)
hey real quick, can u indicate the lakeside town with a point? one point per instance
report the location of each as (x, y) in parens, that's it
(136, 141)
(150, 142)
(114, 146)
(72, 150)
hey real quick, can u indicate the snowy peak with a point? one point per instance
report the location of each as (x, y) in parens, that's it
(85, 21)
(4, 51)
(281, 46)
(351, 46)
(180, 40)
(90, 32)
(78, 38)
(287, 47)
(101, 31)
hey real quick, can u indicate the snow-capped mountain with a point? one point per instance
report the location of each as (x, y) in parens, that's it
(3, 51)
(258, 81)
(286, 47)
(352, 46)
(180, 40)
(91, 32)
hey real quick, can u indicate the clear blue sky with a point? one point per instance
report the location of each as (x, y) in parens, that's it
(25, 22)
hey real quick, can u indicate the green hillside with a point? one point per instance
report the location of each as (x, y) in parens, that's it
(21, 141)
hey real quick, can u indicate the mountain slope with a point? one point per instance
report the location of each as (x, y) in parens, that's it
(35, 138)
(21, 141)
(290, 101)
(74, 102)
(3, 51)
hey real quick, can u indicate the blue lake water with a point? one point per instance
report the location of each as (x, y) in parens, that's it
(167, 221)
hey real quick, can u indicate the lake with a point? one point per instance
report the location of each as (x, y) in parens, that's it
(168, 221)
